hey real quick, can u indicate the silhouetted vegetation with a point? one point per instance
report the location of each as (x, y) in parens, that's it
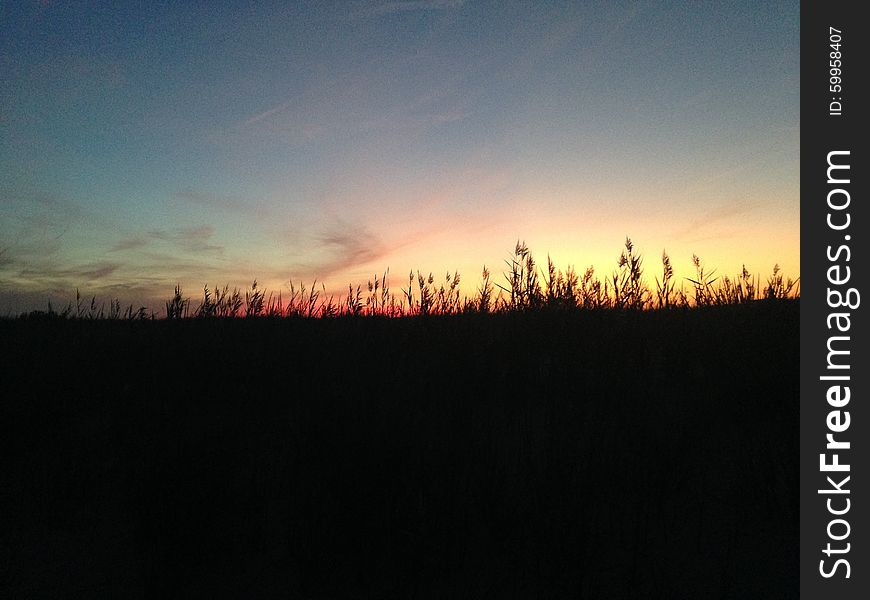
(521, 442)
(525, 287)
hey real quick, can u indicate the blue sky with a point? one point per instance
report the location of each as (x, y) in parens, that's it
(161, 143)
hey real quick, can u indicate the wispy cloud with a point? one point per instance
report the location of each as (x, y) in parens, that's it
(347, 247)
(709, 223)
(95, 271)
(75, 274)
(266, 114)
(191, 239)
(130, 243)
(405, 122)
(35, 211)
(386, 8)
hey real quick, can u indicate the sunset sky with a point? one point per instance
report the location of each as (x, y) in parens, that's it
(165, 142)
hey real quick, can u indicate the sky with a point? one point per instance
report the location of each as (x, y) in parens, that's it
(155, 143)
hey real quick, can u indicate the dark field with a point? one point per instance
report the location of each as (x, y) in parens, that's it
(580, 454)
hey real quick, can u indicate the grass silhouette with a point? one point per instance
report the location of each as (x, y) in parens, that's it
(525, 287)
(553, 435)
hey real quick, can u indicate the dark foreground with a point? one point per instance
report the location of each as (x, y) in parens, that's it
(590, 455)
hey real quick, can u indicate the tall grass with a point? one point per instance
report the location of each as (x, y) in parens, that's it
(177, 306)
(525, 287)
(629, 290)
